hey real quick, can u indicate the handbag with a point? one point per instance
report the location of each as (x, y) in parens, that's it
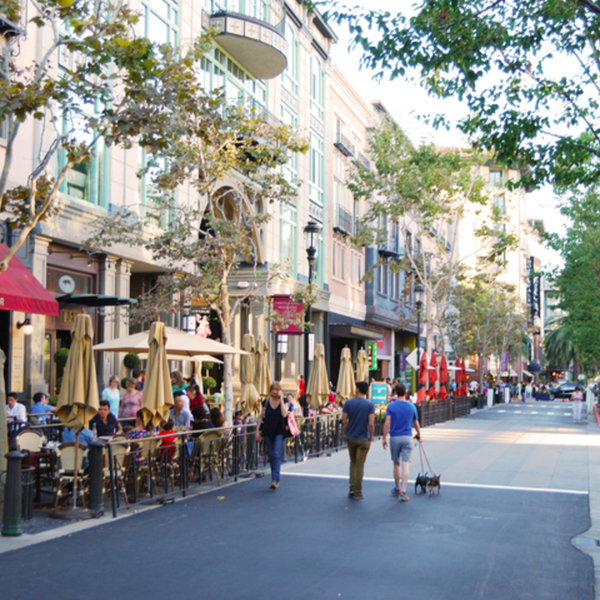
(291, 428)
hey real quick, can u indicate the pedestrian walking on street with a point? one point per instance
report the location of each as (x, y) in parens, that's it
(577, 399)
(271, 427)
(400, 417)
(358, 421)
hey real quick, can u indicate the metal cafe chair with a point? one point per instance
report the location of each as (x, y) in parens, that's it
(65, 472)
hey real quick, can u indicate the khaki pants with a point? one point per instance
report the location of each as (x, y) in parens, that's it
(358, 450)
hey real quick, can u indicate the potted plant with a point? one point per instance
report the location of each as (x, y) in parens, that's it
(132, 361)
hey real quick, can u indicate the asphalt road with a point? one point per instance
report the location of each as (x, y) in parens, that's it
(307, 540)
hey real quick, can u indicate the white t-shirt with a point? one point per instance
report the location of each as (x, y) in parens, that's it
(17, 413)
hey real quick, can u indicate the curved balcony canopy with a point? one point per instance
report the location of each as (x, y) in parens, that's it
(259, 47)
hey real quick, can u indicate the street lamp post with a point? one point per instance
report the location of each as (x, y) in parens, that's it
(419, 306)
(311, 231)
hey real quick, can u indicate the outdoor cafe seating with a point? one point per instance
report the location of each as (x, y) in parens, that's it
(65, 472)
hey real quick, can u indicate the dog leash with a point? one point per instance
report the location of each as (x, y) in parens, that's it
(422, 450)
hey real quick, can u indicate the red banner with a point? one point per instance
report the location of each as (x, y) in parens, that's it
(289, 316)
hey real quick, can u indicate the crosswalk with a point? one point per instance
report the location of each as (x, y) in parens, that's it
(559, 411)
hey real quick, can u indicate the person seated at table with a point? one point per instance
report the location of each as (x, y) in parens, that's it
(140, 430)
(42, 408)
(86, 437)
(131, 401)
(201, 421)
(218, 420)
(168, 438)
(178, 383)
(178, 414)
(196, 398)
(105, 422)
(15, 411)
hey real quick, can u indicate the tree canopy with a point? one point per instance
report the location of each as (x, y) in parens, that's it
(526, 71)
(578, 282)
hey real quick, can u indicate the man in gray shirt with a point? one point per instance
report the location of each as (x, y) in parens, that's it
(178, 414)
(358, 421)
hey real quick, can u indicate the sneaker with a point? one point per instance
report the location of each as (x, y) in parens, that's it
(403, 497)
(351, 494)
(395, 492)
(358, 497)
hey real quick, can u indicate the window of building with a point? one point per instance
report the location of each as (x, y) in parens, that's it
(161, 21)
(317, 164)
(499, 203)
(290, 168)
(290, 75)
(382, 278)
(334, 255)
(317, 92)
(149, 195)
(287, 237)
(495, 177)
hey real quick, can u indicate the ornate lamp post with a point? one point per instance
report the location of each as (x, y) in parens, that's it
(311, 231)
(419, 306)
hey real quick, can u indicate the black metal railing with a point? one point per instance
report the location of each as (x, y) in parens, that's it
(343, 144)
(343, 221)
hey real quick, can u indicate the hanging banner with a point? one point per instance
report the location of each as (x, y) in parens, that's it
(288, 317)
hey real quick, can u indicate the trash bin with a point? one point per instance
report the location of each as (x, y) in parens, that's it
(28, 492)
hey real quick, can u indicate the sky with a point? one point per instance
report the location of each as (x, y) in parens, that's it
(406, 100)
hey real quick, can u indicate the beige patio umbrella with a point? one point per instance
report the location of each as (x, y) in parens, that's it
(262, 378)
(179, 343)
(346, 385)
(249, 395)
(361, 366)
(317, 389)
(78, 399)
(157, 396)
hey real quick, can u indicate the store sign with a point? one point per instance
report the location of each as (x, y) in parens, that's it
(372, 356)
(289, 315)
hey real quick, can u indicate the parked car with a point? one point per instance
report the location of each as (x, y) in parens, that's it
(564, 390)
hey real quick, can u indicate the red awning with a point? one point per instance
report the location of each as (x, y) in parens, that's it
(20, 290)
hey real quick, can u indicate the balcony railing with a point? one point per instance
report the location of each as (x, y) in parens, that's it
(342, 143)
(255, 109)
(361, 159)
(343, 221)
(391, 247)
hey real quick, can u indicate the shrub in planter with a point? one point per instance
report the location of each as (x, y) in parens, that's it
(124, 382)
(132, 361)
(60, 357)
(53, 400)
(58, 384)
(208, 383)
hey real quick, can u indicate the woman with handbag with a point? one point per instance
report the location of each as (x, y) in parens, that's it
(271, 426)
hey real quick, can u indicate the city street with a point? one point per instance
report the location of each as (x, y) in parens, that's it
(514, 494)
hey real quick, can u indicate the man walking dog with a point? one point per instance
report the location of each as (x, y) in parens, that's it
(399, 419)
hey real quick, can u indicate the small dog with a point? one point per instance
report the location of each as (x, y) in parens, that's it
(433, 482)
(421, 481)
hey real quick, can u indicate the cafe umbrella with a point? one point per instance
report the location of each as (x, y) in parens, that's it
(157, 396)
(443, 393)
(361, 365)
(317, 389)
(422, 378)
(433, 375)
(262, 378)
(78, 399)
(249, 395)
(346, 385)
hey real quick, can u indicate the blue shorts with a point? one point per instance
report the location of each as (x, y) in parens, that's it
(401, 447)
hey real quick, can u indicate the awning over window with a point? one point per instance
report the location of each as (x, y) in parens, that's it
(21, 291)
(354, 331)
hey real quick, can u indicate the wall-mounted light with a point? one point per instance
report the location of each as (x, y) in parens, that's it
(25, 326)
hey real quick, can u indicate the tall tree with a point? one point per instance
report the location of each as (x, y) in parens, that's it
(423, 193)
(109, 86)
(487, 319)
(232, 156)
(526, 71)
(578, 282)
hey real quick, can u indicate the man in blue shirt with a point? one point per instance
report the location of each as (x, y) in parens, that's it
(399, 419)
(358, 421)
(42, 408)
